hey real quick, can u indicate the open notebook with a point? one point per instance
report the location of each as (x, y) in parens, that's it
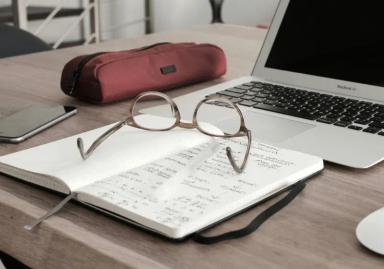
(174, 183)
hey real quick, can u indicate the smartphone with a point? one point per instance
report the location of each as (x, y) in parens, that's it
(28, 122)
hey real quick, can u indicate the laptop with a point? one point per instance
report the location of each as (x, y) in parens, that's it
(318, 83)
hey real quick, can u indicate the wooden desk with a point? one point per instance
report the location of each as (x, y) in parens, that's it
(315, 231)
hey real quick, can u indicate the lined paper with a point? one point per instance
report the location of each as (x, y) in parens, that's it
(207, 193)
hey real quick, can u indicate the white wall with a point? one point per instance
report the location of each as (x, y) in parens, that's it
(116, 15)
(249, 12)
(122, 18)
(175, 14)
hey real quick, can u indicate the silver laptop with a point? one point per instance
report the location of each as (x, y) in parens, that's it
(317, 86)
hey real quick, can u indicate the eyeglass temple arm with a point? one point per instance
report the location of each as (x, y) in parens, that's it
(80, 144)
(240, 169)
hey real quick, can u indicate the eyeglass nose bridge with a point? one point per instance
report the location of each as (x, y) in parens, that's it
(187, 125)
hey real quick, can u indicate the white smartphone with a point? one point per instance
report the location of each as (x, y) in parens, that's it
(28, 122)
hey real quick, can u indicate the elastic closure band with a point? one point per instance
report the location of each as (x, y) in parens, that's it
(256, 222)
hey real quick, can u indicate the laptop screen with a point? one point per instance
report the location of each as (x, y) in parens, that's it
(340, 39)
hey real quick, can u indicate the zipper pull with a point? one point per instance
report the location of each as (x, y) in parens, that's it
(75, 79)
(77, 72)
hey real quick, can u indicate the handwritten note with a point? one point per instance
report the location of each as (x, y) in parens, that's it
(210, 188)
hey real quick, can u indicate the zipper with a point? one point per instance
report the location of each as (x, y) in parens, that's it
(154, 45)
(77, 72)
(86, 59)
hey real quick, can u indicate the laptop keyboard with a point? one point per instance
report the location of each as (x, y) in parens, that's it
(329, 109)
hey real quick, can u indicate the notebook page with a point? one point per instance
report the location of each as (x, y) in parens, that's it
(209, 193)
(127, 148)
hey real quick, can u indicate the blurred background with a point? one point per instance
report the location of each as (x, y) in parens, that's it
(63, 23)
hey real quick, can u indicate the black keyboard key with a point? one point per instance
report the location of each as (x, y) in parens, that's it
(331, 118)
(354, 127)
(351, 101)
(347, 119)
(235, 100)
(371, 130)
(309, 111)
(218, 103)
(256, 83)
(247, 103)
(258, 100)
(250, 84)
(280, 104)
(337, 111)
(363, 117)
(377, 119)
(284, 111)
(261, 95)
(243, 87)
(317, 114)
(265, 91)
(247, 97)
(250, 93)
(327, 121)
(322, 108)
(272, 98)
(292, 107)
(325, 96)
(351, 112)
(368, 111)
(362, 103)
(256, 89)
(237, 90)
(376, 125)
(270, 102)
(362, 122)
(230, 94)
(342, 123)
(337, 99)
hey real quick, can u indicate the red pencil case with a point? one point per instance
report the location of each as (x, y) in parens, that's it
(112, 76)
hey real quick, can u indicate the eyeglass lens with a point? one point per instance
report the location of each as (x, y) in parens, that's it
(205, 117)
(166, 111)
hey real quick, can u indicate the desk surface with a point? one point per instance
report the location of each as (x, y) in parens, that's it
(315, 231)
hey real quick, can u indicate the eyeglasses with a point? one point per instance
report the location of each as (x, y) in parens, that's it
(174, 120)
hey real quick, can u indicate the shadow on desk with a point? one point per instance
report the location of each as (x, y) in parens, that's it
(11, 263)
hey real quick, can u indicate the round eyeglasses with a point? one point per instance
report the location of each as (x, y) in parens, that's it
(202, 117)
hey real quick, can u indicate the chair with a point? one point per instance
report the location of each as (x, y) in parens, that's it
(216, 6)
(15, 41)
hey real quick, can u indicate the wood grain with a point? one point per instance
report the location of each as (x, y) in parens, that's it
(315, 231)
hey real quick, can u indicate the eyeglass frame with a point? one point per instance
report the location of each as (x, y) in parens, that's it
(130, 121)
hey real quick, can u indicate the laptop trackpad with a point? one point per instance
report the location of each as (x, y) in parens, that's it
(269, 128)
